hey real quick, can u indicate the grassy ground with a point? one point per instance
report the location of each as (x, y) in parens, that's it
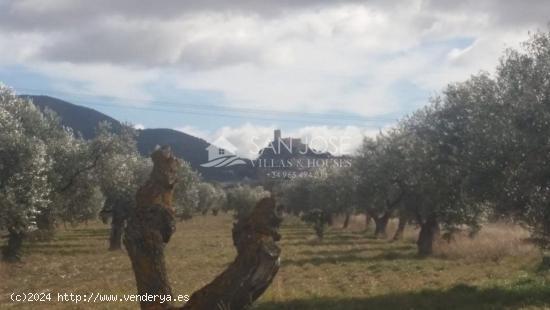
(348, 270)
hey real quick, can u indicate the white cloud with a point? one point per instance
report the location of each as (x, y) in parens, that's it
(249, 139)
(100, 80)
(196, 132)
(338, 140)
(302, 56)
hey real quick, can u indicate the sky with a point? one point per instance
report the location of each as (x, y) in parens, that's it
(242, 68)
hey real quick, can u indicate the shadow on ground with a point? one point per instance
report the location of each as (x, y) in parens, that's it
(349, 257)
(519, 295)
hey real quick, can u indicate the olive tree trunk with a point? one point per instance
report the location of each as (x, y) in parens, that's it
(45, 222)
(429, 231)
(367, 221)
(381, 225)
(117, 227)
(11, 252)
(346, 220)
(400, 228)
(254, 268)
(151, 225)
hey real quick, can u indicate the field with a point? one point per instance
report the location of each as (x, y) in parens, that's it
(347, 270)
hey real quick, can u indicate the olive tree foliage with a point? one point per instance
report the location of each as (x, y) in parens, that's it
(186, 194)
(242, 198)
(210, 198)
(24, 167)
(438, 166)
(120, 171)
(41, 177)
(76, 196)
(296, 195)
(489, 145)
(437, 186)
(523, 81)
(378, 168)
(480, 148)
(317, 218)
(342, 183)
(319, 197)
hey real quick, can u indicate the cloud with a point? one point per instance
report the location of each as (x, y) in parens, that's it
(289, 55)
(249, 139)
(196, 132)
(338, 140)
(103, 80)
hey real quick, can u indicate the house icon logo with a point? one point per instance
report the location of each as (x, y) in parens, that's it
(221, 153)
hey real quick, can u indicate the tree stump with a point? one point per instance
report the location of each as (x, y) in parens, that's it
(253, 269)
(152, 222)
(150, 225)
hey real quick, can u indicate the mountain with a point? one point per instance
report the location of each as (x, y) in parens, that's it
(281, 152)
(185, 146)
(81, 119)
(192, 149)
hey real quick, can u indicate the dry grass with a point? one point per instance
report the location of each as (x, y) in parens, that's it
(348, 270)
(493, 243)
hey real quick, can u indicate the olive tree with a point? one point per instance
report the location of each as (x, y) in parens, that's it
(24, 167)
(210, 198)
(24, 188)
(63, 152)
(379, 172)
(443, 165)
(186, 195)
(342, 182)
(523, 79)
(120, 170)
(296, 195)
(242, 199)
(317, 198)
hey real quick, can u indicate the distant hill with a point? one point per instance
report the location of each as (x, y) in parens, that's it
(192, 149)
(80, 119)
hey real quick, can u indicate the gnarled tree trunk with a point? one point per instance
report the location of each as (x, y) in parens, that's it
(151, 224)
(429, 231)
(381, 225)
(253, 269)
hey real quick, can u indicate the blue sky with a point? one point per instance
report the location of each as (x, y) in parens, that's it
(170, 107)
(241, 68)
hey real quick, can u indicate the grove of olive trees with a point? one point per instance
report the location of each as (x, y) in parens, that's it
(48, 173)
(478, 151)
